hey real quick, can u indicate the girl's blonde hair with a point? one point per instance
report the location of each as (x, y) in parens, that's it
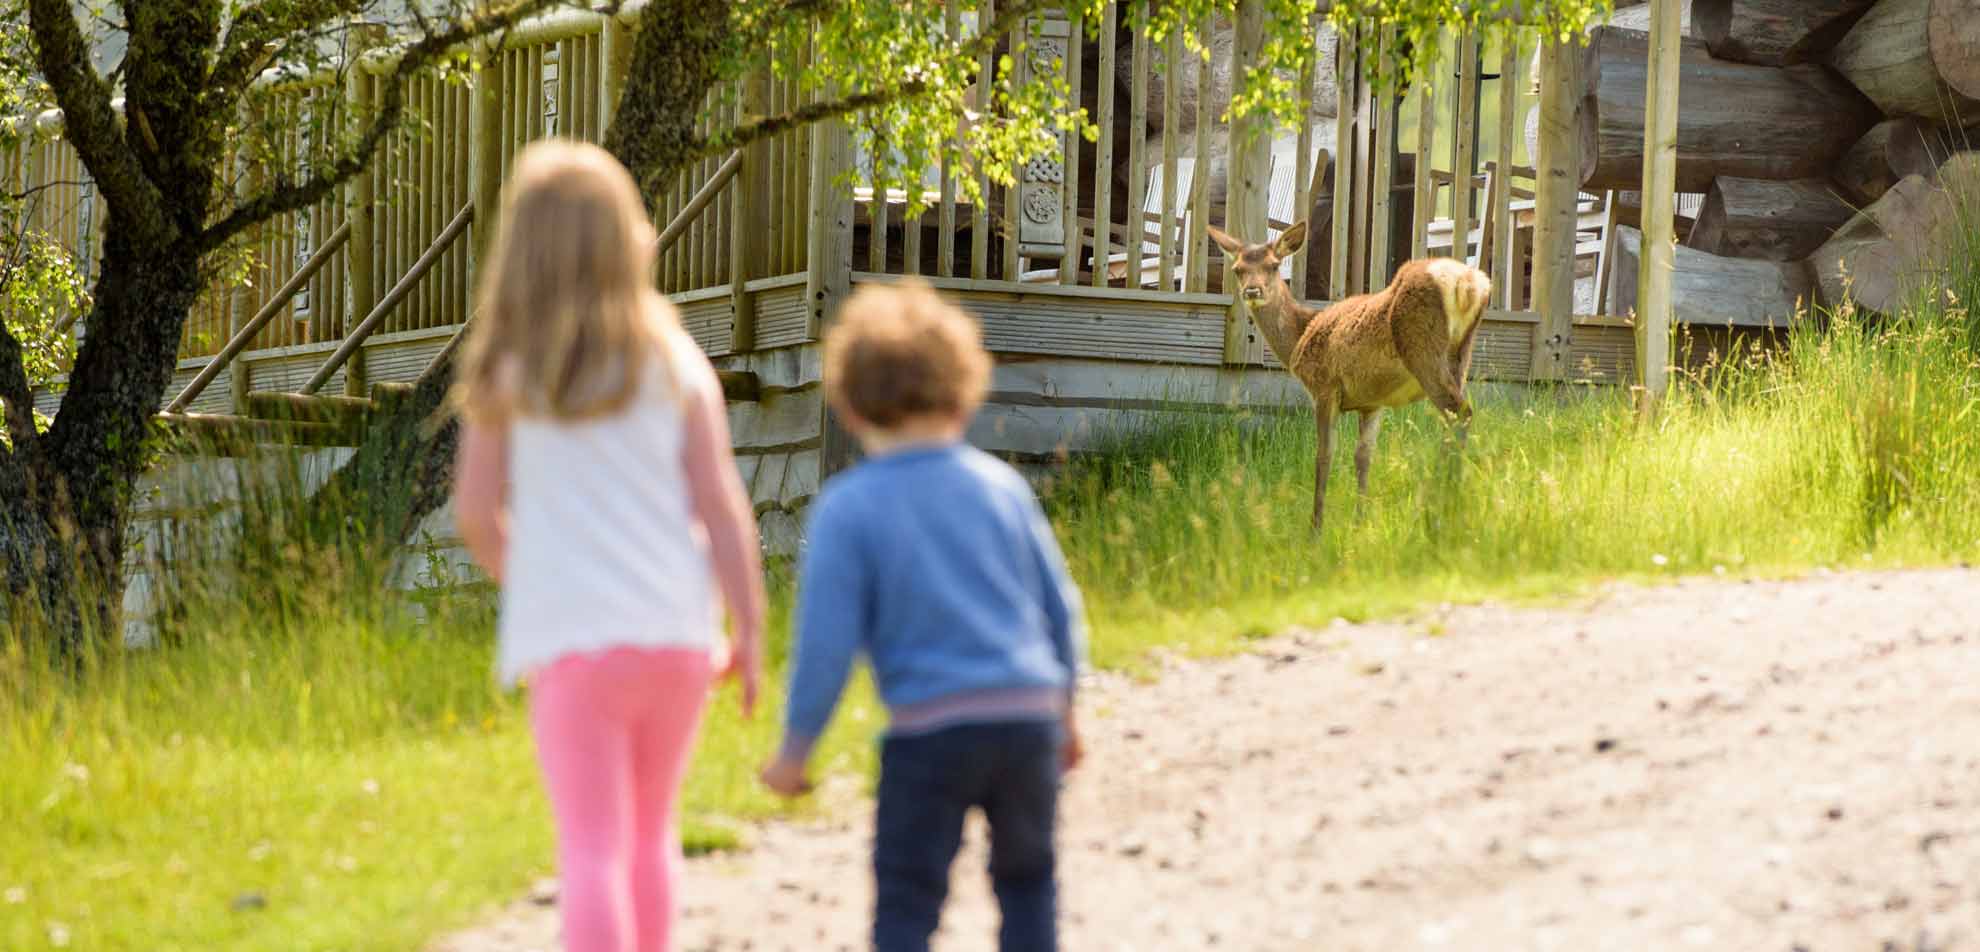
(566, 316)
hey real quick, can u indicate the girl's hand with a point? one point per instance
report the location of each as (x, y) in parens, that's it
(1072, 751)
(742, 659)
(785, 778)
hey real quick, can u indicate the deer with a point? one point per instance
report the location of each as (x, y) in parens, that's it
(1369, 352)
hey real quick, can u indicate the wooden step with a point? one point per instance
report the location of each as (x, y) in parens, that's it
(297, 408)
(223, 434)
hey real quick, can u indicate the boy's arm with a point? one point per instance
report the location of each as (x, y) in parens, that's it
(831, 619)
(1063, 609)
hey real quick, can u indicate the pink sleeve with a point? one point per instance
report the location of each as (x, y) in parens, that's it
(717, 494)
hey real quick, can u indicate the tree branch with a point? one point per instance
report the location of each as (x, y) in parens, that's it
(16, 396)
(245, 44)
(745, 133)
(286, 196)
(90, 123)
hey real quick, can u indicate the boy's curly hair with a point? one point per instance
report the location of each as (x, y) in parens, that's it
(901, 351)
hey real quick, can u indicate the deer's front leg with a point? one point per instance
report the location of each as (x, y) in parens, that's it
(1323, 457)
(1364, 448)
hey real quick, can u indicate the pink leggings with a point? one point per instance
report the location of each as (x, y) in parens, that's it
(613, 732)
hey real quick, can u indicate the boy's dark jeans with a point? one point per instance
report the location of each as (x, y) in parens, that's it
(928, 782)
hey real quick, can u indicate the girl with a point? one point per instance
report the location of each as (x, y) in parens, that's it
(595, 483)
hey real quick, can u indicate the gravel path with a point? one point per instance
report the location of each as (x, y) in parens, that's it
(1772, 766)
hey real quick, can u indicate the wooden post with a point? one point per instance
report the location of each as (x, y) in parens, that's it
(979, 221)
(1653, 276)
(1303, 162)
(1426, 150)
(1172, 196)
(485, 147)
(1069, 197)
(364, 197)
(1505, 250)
(1349, 75)
(1199, 205)
(1249, 160)
(1557, 179)
(1464, 138)
(828, 269)
(1381, 166)
(1103, 154)
(617, 48)
(246, 298)
(828, 274)
(1136, 198)
(945, 237)
(749, 246)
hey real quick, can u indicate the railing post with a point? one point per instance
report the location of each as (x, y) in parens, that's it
(1557, 169)
(360, 257)
(1653, 276)
(828, 268)
(242, 303)
(749, 218)
(485, 152)
(617, 49)
(1250, 151)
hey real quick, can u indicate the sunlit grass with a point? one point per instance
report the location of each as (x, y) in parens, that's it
(307, 764)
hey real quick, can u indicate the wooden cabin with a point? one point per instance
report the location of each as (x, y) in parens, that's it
(1093, 277)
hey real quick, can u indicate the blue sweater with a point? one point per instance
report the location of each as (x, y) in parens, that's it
(938, 565)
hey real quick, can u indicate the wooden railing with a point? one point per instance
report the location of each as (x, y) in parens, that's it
(755, 239)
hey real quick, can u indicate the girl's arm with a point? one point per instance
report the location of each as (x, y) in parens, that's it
(724, 511)
(481, 482)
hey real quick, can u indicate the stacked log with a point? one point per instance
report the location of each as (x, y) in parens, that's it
(1888, 251)
(1792, 115)
(1733, 119)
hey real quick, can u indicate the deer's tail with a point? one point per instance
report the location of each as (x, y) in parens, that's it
(1465, 291)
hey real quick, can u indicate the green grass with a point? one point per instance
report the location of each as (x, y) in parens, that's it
(304, 743)
(350, 780)
(1862, 449)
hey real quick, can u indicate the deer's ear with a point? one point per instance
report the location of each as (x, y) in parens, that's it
(1291, 240)
(1231, 246)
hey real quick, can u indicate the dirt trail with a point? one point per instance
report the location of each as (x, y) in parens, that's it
(1769, 766)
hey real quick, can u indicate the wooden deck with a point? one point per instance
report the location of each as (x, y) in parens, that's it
(1092, 276)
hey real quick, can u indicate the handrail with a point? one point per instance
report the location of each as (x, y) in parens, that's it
(679, 226)
(391, 300)
(245, 336)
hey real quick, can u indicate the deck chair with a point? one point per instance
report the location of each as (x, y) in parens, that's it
(1145, 241)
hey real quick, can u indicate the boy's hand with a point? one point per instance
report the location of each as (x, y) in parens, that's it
(785, 778)
(1072, 751)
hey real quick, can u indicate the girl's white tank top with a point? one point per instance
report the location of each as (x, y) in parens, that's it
(604, 548)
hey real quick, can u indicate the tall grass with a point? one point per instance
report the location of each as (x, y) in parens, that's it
(312, 760)
(1860, 444)
(307, 758)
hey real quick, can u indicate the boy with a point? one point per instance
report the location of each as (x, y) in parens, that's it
(934, 561)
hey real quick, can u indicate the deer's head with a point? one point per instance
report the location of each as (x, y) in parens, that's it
(1256, 267)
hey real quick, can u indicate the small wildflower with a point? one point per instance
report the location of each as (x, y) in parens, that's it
(1660, 560)
(15, 895)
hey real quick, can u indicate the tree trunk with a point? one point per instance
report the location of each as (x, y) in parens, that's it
(1777, 221)
(1887, 153)
(79, 477)
(1716, 291)
(1774, 32)
(1892, 55)
(1734, 119)
(1890, 249)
